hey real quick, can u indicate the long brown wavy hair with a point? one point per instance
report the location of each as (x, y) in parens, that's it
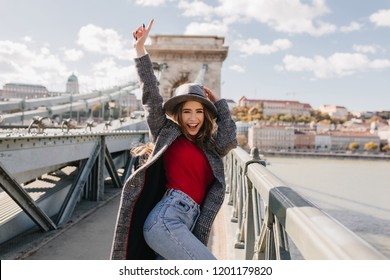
(206, 132)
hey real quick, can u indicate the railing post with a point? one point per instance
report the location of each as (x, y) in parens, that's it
(255, 155)
(233, 196)
(248, 237)
(249, 224)
(100, 167)
(239, 215)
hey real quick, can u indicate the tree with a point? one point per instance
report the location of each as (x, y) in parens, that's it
(373, 119)
(354, 146)
(371, 146)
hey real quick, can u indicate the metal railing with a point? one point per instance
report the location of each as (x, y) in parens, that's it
(270, 215)
(95, 156)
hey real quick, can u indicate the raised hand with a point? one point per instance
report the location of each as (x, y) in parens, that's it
(140, 35)
(210, 95)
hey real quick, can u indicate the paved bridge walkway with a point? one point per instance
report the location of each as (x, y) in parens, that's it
(88, 235)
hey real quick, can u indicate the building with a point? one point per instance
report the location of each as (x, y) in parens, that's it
(304, 140)
(72, 85)
(24, 91)
(271, 137)
(338, 112)
(340, 141)
(29, 91)
(279, 137)
(245, 102)
(293, 108)
(274, 107)
(243, 127)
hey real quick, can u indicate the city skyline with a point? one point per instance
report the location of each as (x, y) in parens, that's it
(317, 52)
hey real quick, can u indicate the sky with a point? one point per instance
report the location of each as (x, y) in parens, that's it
(321, 52)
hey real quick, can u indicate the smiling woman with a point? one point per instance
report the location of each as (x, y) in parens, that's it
(169, 204)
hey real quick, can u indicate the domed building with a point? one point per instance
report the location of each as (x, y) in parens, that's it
(72, 86)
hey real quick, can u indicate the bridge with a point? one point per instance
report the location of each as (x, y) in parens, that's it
(50, 107)
(47, 172)
(270, 220)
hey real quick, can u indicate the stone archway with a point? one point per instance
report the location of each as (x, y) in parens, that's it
(185, 57)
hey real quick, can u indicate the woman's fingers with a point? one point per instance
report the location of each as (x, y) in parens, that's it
(141, 31)
(210, 95)
(149, 25)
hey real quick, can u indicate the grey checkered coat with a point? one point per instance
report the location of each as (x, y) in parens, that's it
(146, 185)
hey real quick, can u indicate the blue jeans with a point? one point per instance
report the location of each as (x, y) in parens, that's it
(167, 229)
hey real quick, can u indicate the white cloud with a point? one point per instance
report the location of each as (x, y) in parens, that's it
(206, 28)
(294, 16)
(380, 64)
(381, 18)
(254, 46)
(336, 65)
(103, 41)
(195, 8)
(237, 68)
(107, 73)
(353, 26)
(365, 48)
(73, 54)
(27, 39)
(19, 63)
(146, 3)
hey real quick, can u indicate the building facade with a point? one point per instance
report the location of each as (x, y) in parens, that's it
(24, 91)
(246, 102)
(271, 137)
(338, 112)
(340, 141)
(275, 107)
(304, 140)
(279, 137)
(72, 85)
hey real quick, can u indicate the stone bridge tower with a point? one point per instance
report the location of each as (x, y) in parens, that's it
(188, 59)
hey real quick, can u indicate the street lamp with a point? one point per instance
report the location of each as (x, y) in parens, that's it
(158, 69)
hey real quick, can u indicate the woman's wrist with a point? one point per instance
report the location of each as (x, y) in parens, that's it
(140, 51)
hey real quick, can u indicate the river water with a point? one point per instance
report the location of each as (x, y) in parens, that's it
(354, 192)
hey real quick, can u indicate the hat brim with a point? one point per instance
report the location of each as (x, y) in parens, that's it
(170, 104)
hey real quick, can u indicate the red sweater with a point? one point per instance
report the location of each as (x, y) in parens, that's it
(187, 169)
